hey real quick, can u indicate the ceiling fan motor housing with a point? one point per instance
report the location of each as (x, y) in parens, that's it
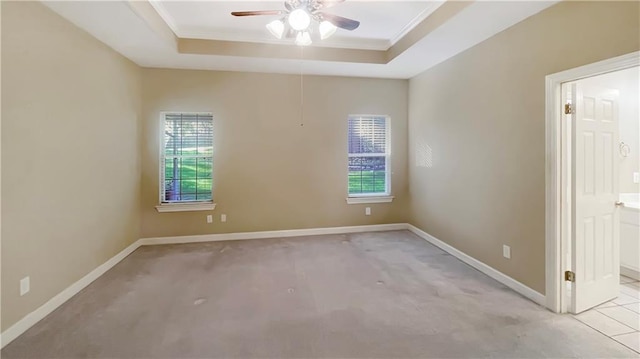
(297, 18)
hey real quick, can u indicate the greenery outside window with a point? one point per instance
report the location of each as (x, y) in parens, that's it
(369, 154)
(186, 159)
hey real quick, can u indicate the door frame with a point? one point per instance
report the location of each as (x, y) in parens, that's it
(556, 212)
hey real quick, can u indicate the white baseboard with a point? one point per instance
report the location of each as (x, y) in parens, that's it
(32, 318)
(630, 272)
(272, 234)
(490, 271)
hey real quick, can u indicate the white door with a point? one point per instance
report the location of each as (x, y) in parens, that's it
(595, 221)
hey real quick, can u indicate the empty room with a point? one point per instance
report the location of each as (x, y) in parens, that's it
(320, 179)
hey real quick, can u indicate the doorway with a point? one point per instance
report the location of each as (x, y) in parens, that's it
(586, 148)
(602, 143)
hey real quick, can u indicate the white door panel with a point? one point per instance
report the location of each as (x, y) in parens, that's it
(596, 222)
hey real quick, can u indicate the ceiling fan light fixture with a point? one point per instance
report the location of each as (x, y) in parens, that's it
(299, 19)
(326, 29)
(276, 28)
(303, 18)
(303, 39)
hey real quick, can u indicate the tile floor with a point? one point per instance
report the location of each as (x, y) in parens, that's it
(618, 319)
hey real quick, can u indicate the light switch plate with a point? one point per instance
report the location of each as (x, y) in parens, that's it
(636, 177)
(209, 218)
(367, 211)
(223, 218)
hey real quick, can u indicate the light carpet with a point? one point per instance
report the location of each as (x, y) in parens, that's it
(368, 295)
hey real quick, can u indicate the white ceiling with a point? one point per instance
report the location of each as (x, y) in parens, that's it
(118, 26)
(382, 23)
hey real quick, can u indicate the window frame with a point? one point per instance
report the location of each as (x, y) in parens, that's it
(186, 205)
(372, 197)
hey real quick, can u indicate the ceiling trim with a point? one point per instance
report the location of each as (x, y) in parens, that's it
(150, 15)
(168, 19)
(415, 22)
(360, 44)
(436, 19)
(251, 49)
(363, 44)
(431, 19)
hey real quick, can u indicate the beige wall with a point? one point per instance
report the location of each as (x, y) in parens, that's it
(482, 115)
(70, 145)
(270, 173)
(80, 145)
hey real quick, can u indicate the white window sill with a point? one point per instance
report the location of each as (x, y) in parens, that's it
(186, 207)
(372, 199)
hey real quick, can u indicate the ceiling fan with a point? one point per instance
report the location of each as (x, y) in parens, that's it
(297, 16)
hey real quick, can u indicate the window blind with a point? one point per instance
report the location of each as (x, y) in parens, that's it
(367, 135)
(187, 158)
(368, 155)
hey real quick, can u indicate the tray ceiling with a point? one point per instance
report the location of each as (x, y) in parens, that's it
(382, 23)
(397, 39)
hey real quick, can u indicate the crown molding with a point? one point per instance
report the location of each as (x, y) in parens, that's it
(424, 23)
(415, 22)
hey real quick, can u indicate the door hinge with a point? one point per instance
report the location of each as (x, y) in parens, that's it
(568, 109)
(569, 276)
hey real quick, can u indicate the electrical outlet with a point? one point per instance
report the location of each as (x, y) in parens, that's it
(636, 177)
(223, 218)
(25, 286)
(506, 251)
(367, 211)
(209, 218)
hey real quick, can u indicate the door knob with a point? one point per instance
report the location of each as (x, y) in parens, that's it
(619, 204)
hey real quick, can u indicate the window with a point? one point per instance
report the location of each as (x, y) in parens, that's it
(186, 163)
(369, 154)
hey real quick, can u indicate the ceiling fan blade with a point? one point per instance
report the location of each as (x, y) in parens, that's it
(341, 22)
(329, 3)
(287, 5)
(260, 12)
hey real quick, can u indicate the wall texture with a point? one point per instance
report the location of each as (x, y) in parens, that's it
(80, 141)
(271, 173)
(70, 155)
(478, 119)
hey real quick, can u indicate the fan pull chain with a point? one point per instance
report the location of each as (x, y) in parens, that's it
(301, 87)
